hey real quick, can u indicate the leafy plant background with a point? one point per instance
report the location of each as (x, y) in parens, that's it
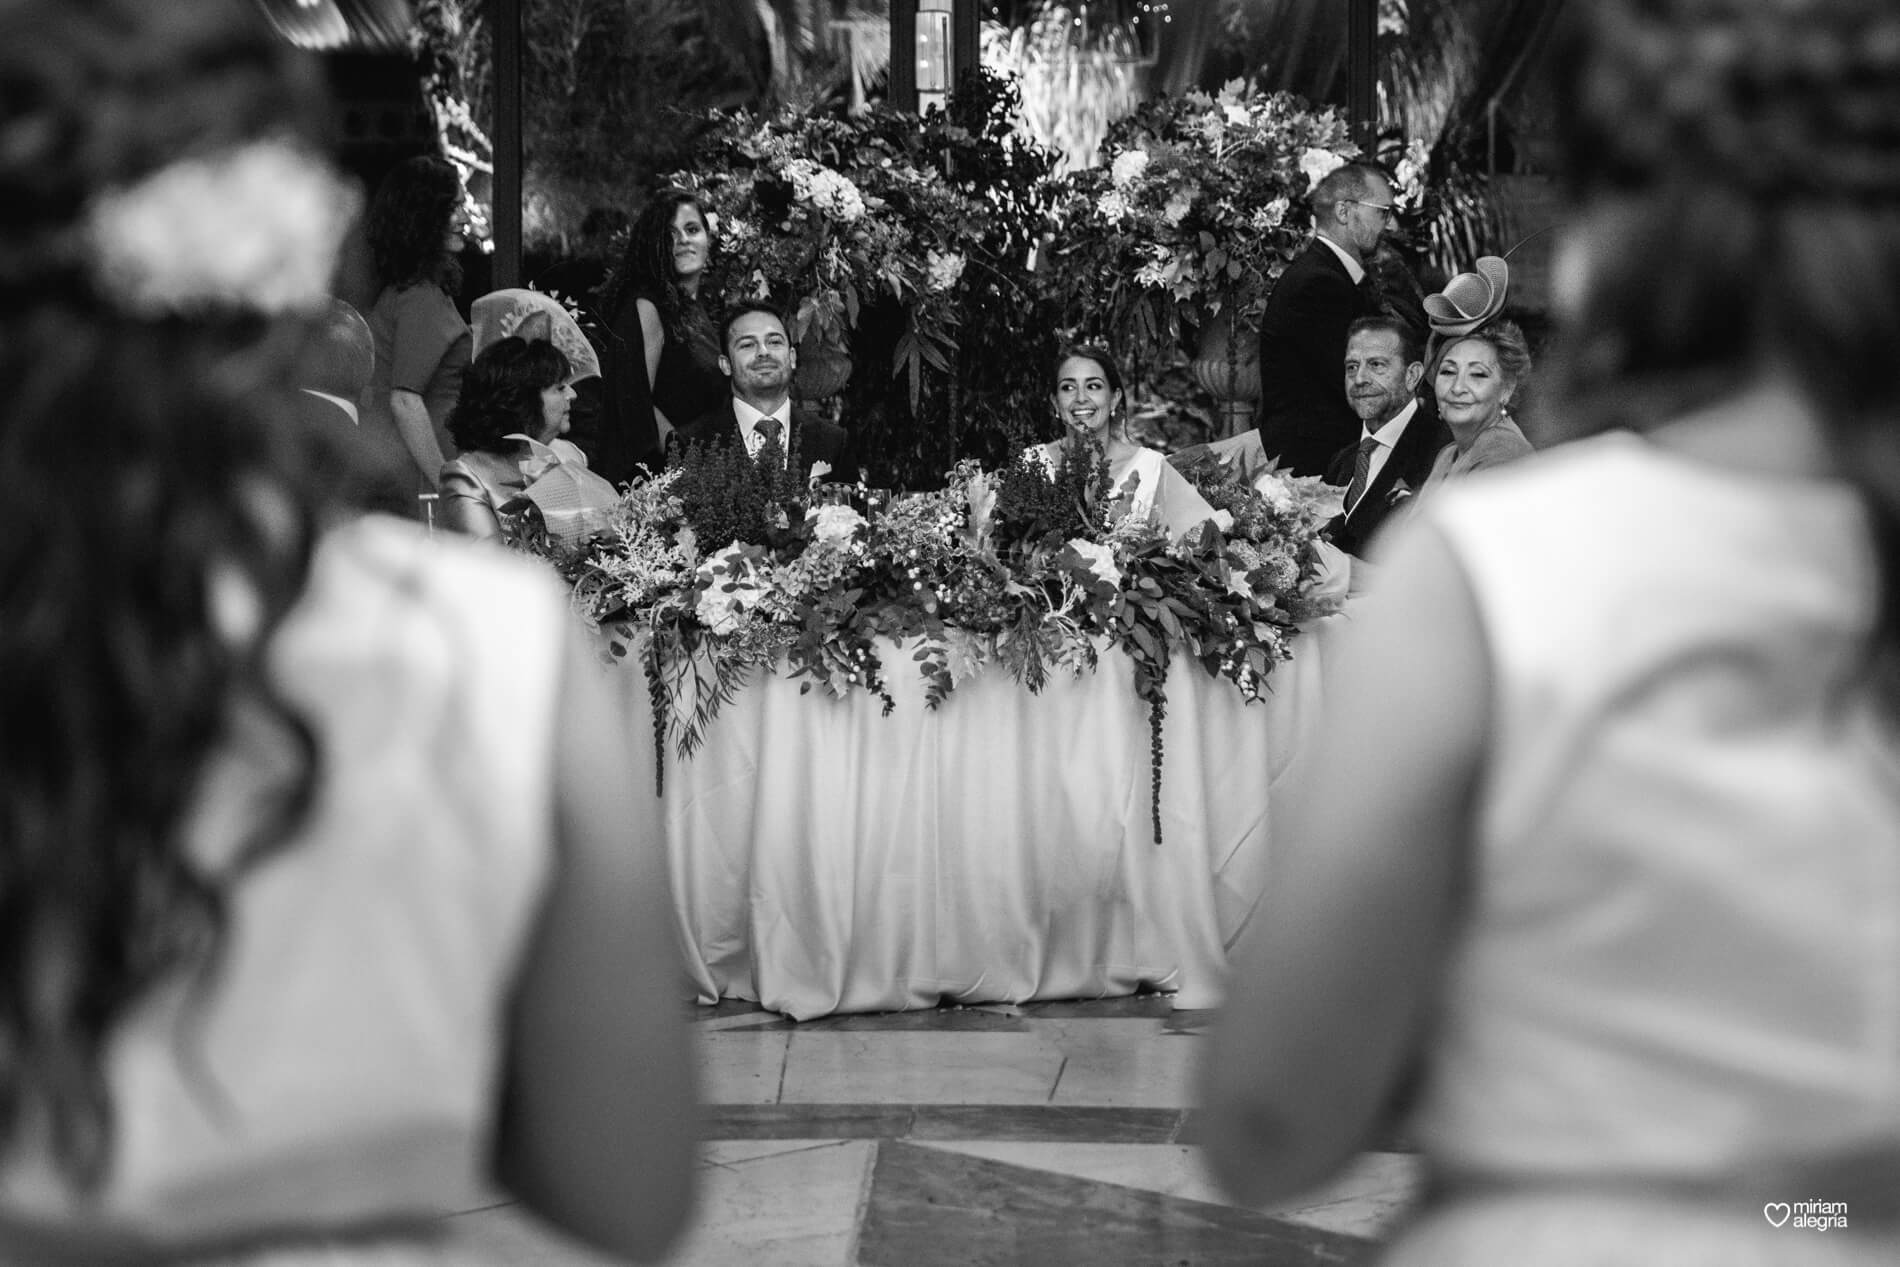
(619, 91)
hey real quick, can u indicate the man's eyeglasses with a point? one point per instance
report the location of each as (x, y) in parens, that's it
(1386, 210)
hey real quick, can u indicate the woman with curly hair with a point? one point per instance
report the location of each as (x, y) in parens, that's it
(323, 902)
(1597, 880)
(508, 425)
(665, 355)
(422, 343)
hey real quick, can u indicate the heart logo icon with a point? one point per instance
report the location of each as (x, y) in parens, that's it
(1776, 1212)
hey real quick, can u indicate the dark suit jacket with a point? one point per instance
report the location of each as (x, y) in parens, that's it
(362, 467)
(815, 439)
(1411, 461)
(1304, 417)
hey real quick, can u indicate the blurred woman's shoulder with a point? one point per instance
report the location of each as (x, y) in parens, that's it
(378, 572)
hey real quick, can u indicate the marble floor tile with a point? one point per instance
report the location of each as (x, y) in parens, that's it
(1129, 1063)
(1045, 1123)
(1133, 1063)
(1173, 1170)
(809, 1121)
(931, 1206)
(1365, 1201)
(740, 1066)
(777, 1203)
(1035, 1122)
(908, 1068)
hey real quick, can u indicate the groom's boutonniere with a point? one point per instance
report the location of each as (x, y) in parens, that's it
(1400, 491)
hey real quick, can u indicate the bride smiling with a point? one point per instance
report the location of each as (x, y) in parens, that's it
(1089, 400)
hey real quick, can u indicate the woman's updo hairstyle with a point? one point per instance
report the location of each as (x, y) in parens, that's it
(501, 393)
(1739, 166)
(95, 96)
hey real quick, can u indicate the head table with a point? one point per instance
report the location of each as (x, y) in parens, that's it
(828, 858)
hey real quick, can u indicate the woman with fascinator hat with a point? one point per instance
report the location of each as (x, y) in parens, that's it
(325, 908)
(1478, 365)
(1620, 906)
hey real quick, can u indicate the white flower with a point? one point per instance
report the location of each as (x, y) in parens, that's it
(1271, 215)
(731, 588)
(1318, 164)
(254, 227)
(1128, 167)
(944, 268)
(1409, 178)
(1274, 492)
(1178, 206)
(834, 525)
(1153, 273)
(1111, 205)
(832, 193)
(1099, 557)
(1237, 115)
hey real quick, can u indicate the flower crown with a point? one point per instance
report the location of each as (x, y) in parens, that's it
(257, 227)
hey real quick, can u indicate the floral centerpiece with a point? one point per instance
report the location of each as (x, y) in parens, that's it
(713, 571)
(826, 216)
(1194, 212)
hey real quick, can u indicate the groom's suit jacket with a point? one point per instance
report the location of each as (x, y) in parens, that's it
(1410, 462)
(815, 439)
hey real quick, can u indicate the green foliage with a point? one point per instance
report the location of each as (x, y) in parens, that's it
(1037, 506)
(1196, 210)
(727, 495)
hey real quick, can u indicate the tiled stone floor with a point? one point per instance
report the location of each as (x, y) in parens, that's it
(1049, 1134)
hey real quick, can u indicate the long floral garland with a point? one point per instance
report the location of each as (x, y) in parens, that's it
(1027, 570)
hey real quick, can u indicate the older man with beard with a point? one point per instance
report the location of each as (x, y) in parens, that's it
(1398, 435)
(758, 357)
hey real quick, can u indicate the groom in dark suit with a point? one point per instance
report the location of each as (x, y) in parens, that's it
(1399, 435)
(1303, 419)
(758, 356)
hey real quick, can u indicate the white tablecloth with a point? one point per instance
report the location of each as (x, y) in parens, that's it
(826, 858)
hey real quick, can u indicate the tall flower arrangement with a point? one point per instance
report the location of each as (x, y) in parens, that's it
(1195, 210)
(826, 217)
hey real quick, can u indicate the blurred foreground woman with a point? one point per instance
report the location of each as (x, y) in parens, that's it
(323, 905)
(1607, 838)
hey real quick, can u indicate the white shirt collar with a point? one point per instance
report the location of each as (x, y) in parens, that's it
(347, 406)
(749, 417)
(1392, 428)
(1354, 268)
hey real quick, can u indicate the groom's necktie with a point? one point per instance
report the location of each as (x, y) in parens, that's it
(769, 428)
(1361, 471)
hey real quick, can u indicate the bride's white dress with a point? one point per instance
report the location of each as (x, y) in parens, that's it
(1149, 486)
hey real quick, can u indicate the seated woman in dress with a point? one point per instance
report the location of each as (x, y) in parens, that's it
(1479, 364)
(1088, 399)
(507, 424)
(500, 313)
